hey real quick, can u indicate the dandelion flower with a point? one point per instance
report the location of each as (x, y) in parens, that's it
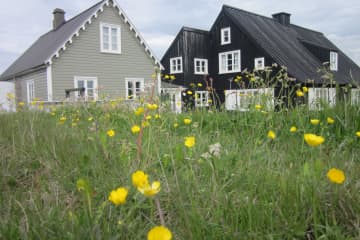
(187, 121)
(152, 106)
(167, 76)
(358, 133)
(199, 84)
(313, 140)
(150, 190)
(258, 107)
(118, 196)
(293, 129)
(135, 129)
(336, 176)
(139, 179)
(314, 121)
(305, 89)
(189, 142)
(110, 133)
(271, 134)
(159, 233)
(299, 93)
(330, 120)
(189, 92)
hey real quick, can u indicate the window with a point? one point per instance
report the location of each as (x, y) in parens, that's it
(229, 62)
(201, 99)
(320, 96)
(225, 36)
(259, 63)
(110, 36)
(176, 65)
(245, 99)
(355, 96)
(201, 66)
(30, 90)
(90, 86)
(333, 61)
(134, 87)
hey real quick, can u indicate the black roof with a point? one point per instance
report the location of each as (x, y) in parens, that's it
(48, 44)
(284, 43)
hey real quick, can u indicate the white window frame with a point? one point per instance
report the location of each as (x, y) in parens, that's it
(318, 95)
(260, 66)
(176, 65)
(355, 96)
(201, 98)
(224, 32)
(333, 61)
(244, 99)
(203, 66)
(110, 36)
(136, 92)
(225, 69)
(86, 79)
(30, 90)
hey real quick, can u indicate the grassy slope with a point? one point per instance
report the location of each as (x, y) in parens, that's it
(257, 189)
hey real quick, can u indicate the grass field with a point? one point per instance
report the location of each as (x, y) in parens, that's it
(57, 170)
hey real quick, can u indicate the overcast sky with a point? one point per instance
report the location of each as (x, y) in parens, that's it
(23, 21)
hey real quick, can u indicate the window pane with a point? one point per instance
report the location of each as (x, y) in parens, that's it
(90, 84)
(80, 83)
(106, 38)
(114, 39)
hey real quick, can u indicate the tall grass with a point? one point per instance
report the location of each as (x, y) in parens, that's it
(257, 188)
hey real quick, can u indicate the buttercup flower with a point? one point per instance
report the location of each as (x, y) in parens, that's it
(110, 133)
(336, 176)
(135, 129)
(271, 134)
(187, 121)
(189, 142)
(293, 129)
(330, 120)
(299, 93)
(159, 233)
(314, 121)
(139, 179)
(118, 196)
(150, 190)
(313, 140)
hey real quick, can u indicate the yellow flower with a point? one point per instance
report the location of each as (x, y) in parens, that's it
(176, 125)
(110, 133)
(90, 119)
(167, 76)
(150, 190)
(159, 233)
(139, 111)
(299, 93)
(189, 92)
(258, 107)
(305, 89)
(148, 117)
(189, 142)
(313, 140)
(139, 179)
(118, 196)
(199, 84)
(145, 124)
(157, 116)
(293, 129)
(152, 106)
(314, 121)
(336, 176)
(135, 129)
(172, 77)
(187, 121)
(271, 134)
(358, 133)
(63, 119)
(330, 120)
(21, 104)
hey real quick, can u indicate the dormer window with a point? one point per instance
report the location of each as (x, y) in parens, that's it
(225, 36)
(259, 63)
(333, 61)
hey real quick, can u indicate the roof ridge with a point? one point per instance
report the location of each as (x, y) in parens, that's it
(194, 29)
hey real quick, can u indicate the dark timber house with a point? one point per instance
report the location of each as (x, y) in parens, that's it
(240, 40)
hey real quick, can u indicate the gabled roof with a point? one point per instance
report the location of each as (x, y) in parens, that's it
(284, 44)
(50, 44)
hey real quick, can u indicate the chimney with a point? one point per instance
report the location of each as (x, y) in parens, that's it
(282, 17)
(59, 18)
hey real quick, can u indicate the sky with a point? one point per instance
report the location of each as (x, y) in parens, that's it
(158, 21)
